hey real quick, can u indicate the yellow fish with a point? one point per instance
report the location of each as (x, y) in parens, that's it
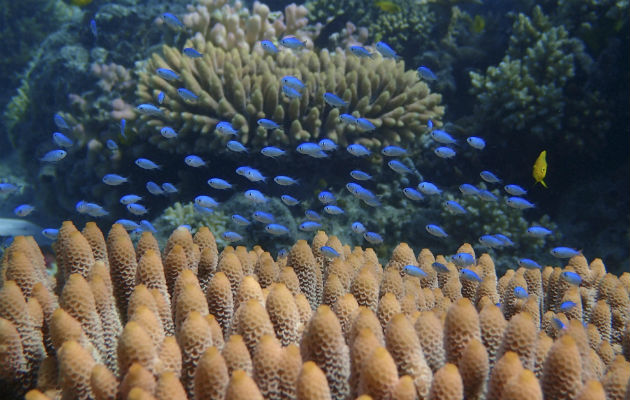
(478, 24)
(540, 168)
(388, 6)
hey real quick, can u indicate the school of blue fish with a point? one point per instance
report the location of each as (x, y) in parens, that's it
(138, 205)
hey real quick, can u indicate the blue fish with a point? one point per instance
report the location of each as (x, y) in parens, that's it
(414, 271)
(236, 147)
(276, 229)
(255, 196)
(240, 220)
(373, 237)
(468, 189)
(289, 200)
(348, 119)
(146, 109)
(538, 231)
(290, 92)
(114, 179)
(272, 152)
(285, 180)
(310, 226)
(54, 156)
(6, 188)
(333, 210)
(567, 306)
(412, 194)
(436, 230)
(194, 161)
(329, 252)
(206, 201)
(358, 150)
(123, 125)
(326, 197)
(230, 236)
(486, 195)
(365, 125)
(308, 148)
(128, 224)
(312, 215)
(160, 97)
(519, 203)
(490, 241)
(62, 140)
(192, 53)
(269, 47)
(50, 233)
(393, 151)
(327, 145)
(504, 239)
(529, 264)
(93, 28)
(203, 210)
(187, 95)
(520, 292)
(558, 324)
(358, 227)
(23, 210)
(267, 123)
(564, 252)
(439, 267)
(147, 226)
(169, 188)
(444, 152)
(167, 74)
(292, 42)
(515, 190)
(469, 275)
(137, 209)
(293, 82)
(443, 137)
(226, 129)
(476, 142)
(360, 175)
(154, 188)
(385, 50)
(130, 198)
(264, 217)
(145, 163)
(454, 207)
(361, 52)
(112, 145)
(218, 183)
(334, 100)
(425, 73)
(489, 177)
(428, 188)
(60, 122)
(172, 21)
(463, 259)
(168, 132)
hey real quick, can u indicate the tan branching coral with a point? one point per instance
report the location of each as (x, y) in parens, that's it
(241, 86)
(409, 340)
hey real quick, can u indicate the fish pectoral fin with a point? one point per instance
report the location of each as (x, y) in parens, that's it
(542, 182)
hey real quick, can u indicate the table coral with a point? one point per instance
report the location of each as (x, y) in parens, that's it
(241, 350)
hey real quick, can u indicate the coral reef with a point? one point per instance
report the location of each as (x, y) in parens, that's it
(243, 86)
(186, 321)
(231, 25)
(528, 92)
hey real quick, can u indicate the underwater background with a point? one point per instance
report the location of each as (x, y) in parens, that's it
(155, 98)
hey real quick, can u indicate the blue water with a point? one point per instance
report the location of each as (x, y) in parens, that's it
(573, 104)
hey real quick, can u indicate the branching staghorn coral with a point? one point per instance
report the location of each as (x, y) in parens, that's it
(243, 86)
(527, 91)
(196, 341)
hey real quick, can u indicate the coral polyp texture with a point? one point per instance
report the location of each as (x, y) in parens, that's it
(189, 322)
(242, 85)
